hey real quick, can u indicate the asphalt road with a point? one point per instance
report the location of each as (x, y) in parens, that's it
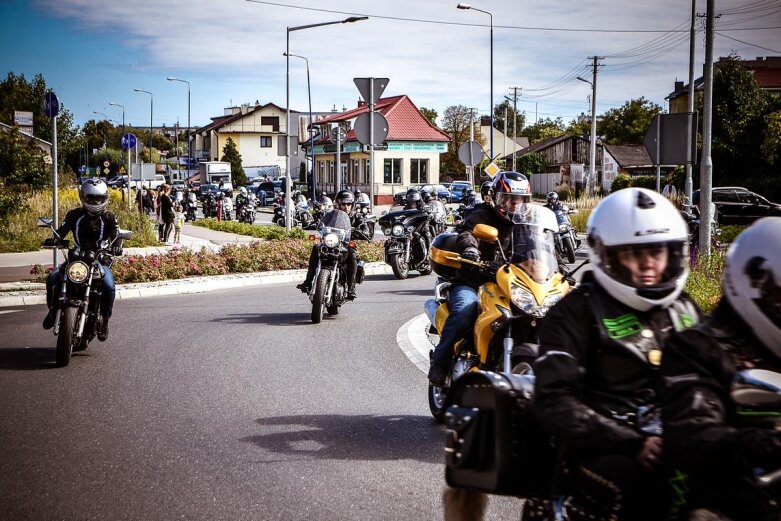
(224, 405)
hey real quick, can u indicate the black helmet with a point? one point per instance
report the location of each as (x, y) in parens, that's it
(93, 194)
(553, 198)
(427, 197)
(357, 193)
(345, 197)
(486, 190)
(413, 197)
(442, 247)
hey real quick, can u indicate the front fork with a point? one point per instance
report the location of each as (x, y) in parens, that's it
(507, 343)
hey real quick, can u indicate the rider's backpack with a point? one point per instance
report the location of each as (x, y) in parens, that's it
(493, 442)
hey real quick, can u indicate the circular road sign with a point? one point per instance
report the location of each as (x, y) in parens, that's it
(470, 153)
(51, 105)
(338, 134)
(128, 141)
(362, 128)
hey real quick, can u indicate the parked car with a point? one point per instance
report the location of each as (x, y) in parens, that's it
(458, 191)
(442, 192)
(118, 181)
(738, 205)
(204, 189)
(271, 188)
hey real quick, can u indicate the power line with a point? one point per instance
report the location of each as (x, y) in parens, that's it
(747, 43)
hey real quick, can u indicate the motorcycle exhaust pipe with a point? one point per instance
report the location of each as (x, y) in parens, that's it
(430, 306)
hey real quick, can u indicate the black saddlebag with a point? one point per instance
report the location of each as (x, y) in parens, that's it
(493, 442)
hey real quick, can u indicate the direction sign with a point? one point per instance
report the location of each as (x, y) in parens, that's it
(51, 105)
(364, 87)
(128, 141)
(470, 153)
(361, 128)
(671, 130)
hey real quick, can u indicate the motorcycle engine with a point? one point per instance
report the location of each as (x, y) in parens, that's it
(460, 367)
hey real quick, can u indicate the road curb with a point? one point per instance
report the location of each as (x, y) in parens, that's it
(185, 286)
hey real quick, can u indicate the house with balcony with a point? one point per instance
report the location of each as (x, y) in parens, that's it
(259, 132)
(410, 154)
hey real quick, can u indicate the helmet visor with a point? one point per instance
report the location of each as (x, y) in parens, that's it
(652, 268)
(94, 199)
(514, 206)
(768, 294)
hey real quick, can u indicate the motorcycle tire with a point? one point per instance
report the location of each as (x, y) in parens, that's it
(399, 267)
(371, 231)
(426, 270)
(318, 302)
(522, 365)
(66, 336)
(569, 249)
(437, 398)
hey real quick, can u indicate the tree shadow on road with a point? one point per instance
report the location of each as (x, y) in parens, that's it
(345, 437)
(27, 358)
(411, 292)
(270, 319)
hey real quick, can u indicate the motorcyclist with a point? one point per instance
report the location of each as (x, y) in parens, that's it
(90, 224)
(339, 217)
(438, 210)
(705, 435)
(552, 202)
(414, 200)
(513, 195)
(487, 192)
(361, 197)
(241, 200)
(597, 377)
(326, 201)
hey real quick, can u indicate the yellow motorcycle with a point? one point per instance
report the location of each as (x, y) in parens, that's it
(524, 286)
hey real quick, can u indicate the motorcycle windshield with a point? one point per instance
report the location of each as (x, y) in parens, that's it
(533, 248)
(325, 231)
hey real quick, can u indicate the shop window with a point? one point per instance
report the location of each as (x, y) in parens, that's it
(418, 173)
(392, 171)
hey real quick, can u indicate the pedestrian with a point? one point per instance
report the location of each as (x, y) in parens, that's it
(165, 213)
(178, 223)
(669, 190)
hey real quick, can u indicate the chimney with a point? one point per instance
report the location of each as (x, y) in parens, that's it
(678, 86)
(361, 103)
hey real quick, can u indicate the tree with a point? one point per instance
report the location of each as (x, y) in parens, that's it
(628, 123)
(579, 128)
(455, 122)
(545, 128)
(520, 118)
(231, 155)
(532, 163)
(22, 164)
(430, 114)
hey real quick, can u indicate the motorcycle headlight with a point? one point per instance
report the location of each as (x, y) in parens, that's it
(365, 209)
(398, 230)
(563, 228)
(525, 301)
(331, 240)
(78, 271)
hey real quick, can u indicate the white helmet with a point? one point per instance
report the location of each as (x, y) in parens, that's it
(633, 219)
(243, 191)
(752, 280)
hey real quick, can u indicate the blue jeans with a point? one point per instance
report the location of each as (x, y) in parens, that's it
(108, 288)
(463, 314)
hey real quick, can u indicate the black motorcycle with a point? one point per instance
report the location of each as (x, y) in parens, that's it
(363, 222)
(78, 303)
(279, 214)
(246, 213)
(190, 206)
(329, 286)
(409, 234)
(567, 242)
(209, 206)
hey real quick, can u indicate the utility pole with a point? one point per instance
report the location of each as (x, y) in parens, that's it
(687, 187)
(592, 173)
(471, 139)
(504, 152)
(515, 121)
(706, 165)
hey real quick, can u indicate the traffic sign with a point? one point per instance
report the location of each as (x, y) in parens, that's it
(670, 129)
(106, 164)
(338, 134)
(51, 105)
(470, 153)
(362, 127)
(364, 87)
(128, 141)
(492, 169)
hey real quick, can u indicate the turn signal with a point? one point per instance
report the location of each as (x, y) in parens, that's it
(351, 244)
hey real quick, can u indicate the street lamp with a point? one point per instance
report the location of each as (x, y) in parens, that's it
(311, 133)
(189, 156)
(123, 116)
(104, 135)
(469, 6)
(151, 111)
(287, 104)
(592, 163)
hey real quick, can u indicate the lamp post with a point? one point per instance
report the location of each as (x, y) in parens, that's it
(287, 105)
(189, 157)
(104, 134)
(151, 111)
(592, 164)
(311, 134)
(469, 6)
(129, 168)
(123, 115)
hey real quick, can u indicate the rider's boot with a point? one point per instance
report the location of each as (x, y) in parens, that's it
(351, 292)
(103, 329)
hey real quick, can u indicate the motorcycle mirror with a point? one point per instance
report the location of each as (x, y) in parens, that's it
(125, 234)
(44, 222)
(486, 233)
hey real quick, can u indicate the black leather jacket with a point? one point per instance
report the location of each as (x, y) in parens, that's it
(598, 371)
(88, 231)
(488, 252)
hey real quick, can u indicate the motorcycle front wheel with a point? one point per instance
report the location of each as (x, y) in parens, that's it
(522, 365)
(318, 302)
(436, 401)
(399, 267)
(569, 249)
(66, 336)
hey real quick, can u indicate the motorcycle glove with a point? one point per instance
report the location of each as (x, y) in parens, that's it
(116, 251)
(472, 254)
(50, 242)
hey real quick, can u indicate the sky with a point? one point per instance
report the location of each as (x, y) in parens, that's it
(231, 51)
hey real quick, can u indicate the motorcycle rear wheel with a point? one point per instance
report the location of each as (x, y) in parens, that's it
(436, 401)
(66, 336)
(318, 302)
(569, 249)
(399, 267)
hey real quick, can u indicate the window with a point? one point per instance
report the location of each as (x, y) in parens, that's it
(272, 121)
(418, 171)
(265, 141)
(392, 171)
(357, 171)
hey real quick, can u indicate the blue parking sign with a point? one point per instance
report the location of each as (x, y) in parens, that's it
(128, 141)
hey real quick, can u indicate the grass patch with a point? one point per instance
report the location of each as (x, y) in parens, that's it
(704, 283)
(251, 230)
(19, 232)
(584, 205)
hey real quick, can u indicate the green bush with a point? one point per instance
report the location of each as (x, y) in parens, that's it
(566, 191)
(645, 181)
(620, 182)
(730, 232)
(704, 283)
(252, 230)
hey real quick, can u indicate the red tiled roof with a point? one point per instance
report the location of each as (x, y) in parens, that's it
(405, 121)
(768, 78)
